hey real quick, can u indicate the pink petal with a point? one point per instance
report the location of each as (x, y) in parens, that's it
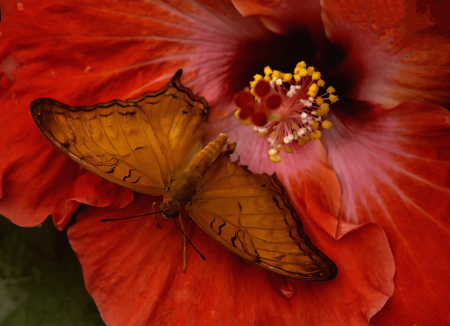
(400, 54)
(133, 270)
(393, 168)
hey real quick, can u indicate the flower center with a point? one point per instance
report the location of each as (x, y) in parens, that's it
(287, 106)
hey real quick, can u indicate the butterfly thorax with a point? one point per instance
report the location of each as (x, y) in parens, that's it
(184, 187)
(181, 190)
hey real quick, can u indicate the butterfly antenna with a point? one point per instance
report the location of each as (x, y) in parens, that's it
(203, 257)
(125, 218)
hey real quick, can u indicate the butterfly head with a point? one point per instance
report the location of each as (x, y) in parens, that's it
(169, 208)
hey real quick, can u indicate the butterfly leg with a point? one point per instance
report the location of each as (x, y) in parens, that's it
(154, 214)
(184, 244)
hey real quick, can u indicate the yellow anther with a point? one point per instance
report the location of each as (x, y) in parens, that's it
(313, 89)
(325, 107)
(301, 64)
(236, 114)
(296, 78)
(275, 127)
(247, 122)
(316, 135)
(275, 158)
(310, 71)
(319, 101)
(281, 75)
(315, 125)
(279, 148)
(276, 73)
(267, 70)
(287, 78)
(261, 134)
(321, 82)
(333, 98)
(302, 72)
(267, 78)
(302, 141)
(293, 127)
(272, 151)
(316, 75)
(257, 77)
(331, 90)
(287, 150)
(327, 124)
(272, 134)
(319, 112)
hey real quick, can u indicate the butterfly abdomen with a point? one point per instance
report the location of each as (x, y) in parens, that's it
(207, 155)
(184, 186)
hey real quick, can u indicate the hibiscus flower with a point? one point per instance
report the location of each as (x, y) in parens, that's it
(381, 167)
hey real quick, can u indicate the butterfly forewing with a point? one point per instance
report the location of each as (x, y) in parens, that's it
(140, 143)
(250, 215)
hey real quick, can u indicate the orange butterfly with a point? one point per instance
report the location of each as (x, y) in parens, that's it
(153, 144)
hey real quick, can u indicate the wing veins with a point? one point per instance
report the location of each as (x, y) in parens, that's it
(187, 123)
(62, 131)
(167, 112)
(169, 164)
(106, 135)
(95, 156)
(205, 200)
(90, 135)
(217, 180)
(242, 228)
(148, 142)
(123, 133)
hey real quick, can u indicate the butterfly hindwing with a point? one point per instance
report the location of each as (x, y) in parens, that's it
(250, 215)
(131, 143)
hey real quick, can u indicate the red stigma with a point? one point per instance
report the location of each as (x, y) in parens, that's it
(246, 112)
(273, 101)
(242, 98)
(259, 119)
(262, 88)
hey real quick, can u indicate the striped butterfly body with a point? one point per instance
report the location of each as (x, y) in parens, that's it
(153, 145)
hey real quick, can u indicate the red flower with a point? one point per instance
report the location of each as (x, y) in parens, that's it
(388, 167)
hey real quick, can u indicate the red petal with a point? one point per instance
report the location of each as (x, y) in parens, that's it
(393, 166)
(400, 54)
(116, 50)
(108, 50)
(133, 270)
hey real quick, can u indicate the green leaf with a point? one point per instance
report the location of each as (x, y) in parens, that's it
(41, 283)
